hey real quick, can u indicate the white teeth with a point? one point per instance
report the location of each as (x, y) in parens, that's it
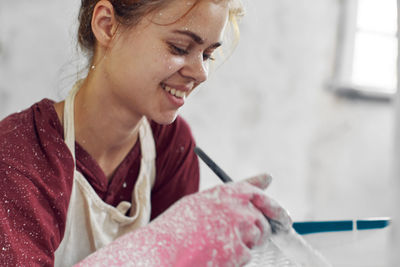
(179, 93)
(174, 92)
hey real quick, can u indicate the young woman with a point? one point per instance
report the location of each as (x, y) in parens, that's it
(90, 172)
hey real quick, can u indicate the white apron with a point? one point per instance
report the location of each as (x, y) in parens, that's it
(92, 223)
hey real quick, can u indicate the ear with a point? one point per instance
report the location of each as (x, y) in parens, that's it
(104, 23)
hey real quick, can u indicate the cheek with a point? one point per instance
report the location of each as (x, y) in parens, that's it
(171, 64)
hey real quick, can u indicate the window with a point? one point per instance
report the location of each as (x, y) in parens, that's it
(368, 47)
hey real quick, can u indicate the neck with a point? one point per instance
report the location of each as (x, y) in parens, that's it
(102, 127)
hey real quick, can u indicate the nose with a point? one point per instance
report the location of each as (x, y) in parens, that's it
(196, 68)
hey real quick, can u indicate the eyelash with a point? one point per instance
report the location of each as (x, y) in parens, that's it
(178, 51)
(208, 57)
(182, 52)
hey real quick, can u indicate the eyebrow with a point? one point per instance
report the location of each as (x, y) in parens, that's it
(197, 38)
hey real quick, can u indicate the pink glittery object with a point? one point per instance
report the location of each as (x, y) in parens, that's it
(216, 227)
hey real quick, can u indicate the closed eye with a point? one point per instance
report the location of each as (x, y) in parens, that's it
(208, 57)
(177, 50)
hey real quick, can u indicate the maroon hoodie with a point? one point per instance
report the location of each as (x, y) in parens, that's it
(36, 173)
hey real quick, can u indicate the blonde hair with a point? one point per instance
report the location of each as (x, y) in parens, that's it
(232, 32)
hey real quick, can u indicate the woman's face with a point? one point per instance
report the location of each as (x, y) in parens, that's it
(153, 66)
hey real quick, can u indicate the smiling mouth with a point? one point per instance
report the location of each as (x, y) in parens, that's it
(173, 91)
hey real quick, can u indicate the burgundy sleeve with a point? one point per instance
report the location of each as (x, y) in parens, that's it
(29, 230)
(177, 166)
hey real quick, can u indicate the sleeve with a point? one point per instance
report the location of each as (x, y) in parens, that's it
(177, 166)
(28, 228)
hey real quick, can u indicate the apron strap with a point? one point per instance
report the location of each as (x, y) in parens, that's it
(69, 128)
(147, 145)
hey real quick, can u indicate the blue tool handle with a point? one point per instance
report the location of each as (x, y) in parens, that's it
(372, 223)
(309, 227)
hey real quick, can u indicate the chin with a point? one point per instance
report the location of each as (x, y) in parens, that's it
(164, 119)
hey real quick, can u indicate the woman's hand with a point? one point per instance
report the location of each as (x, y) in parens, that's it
(216, 227)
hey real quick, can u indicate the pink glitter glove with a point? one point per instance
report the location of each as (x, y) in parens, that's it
(216, 227)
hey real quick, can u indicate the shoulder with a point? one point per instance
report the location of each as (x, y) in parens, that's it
(31, 142)
(16, 136)
(19, 125)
